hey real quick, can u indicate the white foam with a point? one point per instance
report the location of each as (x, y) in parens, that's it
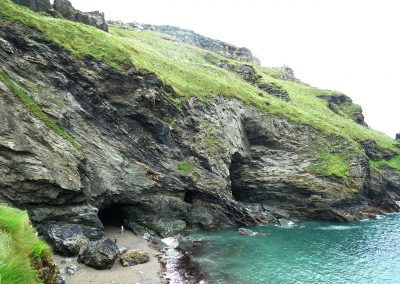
(171, 242)
(339, 227)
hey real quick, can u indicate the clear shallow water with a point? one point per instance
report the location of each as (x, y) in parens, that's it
(309, 252)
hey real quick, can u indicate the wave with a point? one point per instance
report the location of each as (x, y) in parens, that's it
(338, 227)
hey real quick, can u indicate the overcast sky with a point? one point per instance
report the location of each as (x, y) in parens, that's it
(350, 46)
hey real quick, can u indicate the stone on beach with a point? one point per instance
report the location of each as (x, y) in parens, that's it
(132, 257)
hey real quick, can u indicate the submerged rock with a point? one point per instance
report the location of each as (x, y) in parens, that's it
(132, 257)
(248, 232)
(243, 231)
(284, 222)
(100, 254)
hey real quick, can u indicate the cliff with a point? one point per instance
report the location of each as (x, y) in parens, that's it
(167, 136)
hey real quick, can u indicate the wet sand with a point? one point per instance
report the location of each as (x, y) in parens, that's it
(147, 273)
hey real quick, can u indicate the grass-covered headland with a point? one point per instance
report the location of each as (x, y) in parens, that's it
(192, 71)
(22, 252)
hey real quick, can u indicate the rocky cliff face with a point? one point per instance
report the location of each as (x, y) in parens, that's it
(95, 18)
(35, 5)
(190, 37)
(158, 168)
(344, 106)
(63, 8)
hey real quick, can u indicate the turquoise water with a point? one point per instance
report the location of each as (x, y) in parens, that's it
(309, 252)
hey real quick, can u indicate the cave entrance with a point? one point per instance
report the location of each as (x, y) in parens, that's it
(112, 215)
(238, 192)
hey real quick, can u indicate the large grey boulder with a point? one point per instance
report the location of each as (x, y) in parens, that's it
(64, 7)
(100, 254)
(132, 257)
(35, 5)
(69, 239)
(95, 19)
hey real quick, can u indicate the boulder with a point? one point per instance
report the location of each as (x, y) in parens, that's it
(64, 7)
(397, 136)
(100, 254)
(248, 232)
(245, 232)
(248, 73)
(68, 239)
(284, 222)
(35, 5)
(95, 19)
(132, 257)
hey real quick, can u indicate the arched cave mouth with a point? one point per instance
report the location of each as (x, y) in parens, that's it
(238, 193)
(112, 215)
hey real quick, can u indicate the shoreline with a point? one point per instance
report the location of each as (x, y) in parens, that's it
(171, 262)
(147, 273)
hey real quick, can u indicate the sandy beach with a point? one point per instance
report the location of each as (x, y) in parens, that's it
(148, 273)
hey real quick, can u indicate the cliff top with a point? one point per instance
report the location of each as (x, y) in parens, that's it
(192, 71)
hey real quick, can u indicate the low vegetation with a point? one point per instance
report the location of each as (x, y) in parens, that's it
(393, 163)
(186, 167)
(21, 250)
(35, 109)
(331, 164)
(186, 69)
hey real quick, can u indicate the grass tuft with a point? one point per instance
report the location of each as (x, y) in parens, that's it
(393, 163)
(20, 248)
(186, 167)
(331, 164)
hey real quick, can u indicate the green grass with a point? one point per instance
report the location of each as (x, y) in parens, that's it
(331, 164)
(186, 167)
(192, 71)
(36, 110)
(20, 248)
(350, 110)
(393, 163)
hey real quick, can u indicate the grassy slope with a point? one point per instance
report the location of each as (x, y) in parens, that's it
(20, 248)
(187, 70)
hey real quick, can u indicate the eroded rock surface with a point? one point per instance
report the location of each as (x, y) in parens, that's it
(35, 5)
(164, 169)
(344, 106)
(99, 254)
(132, 257)
(96, 18)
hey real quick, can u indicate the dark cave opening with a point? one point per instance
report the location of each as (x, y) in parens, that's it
(188, 197)
(234, 172)
(112, 215)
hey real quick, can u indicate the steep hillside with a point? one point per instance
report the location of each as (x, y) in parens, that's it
(170, 136)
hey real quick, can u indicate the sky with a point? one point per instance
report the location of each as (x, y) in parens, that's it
(351, 46)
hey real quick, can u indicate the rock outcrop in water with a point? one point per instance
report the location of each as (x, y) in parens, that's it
(158, 168)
